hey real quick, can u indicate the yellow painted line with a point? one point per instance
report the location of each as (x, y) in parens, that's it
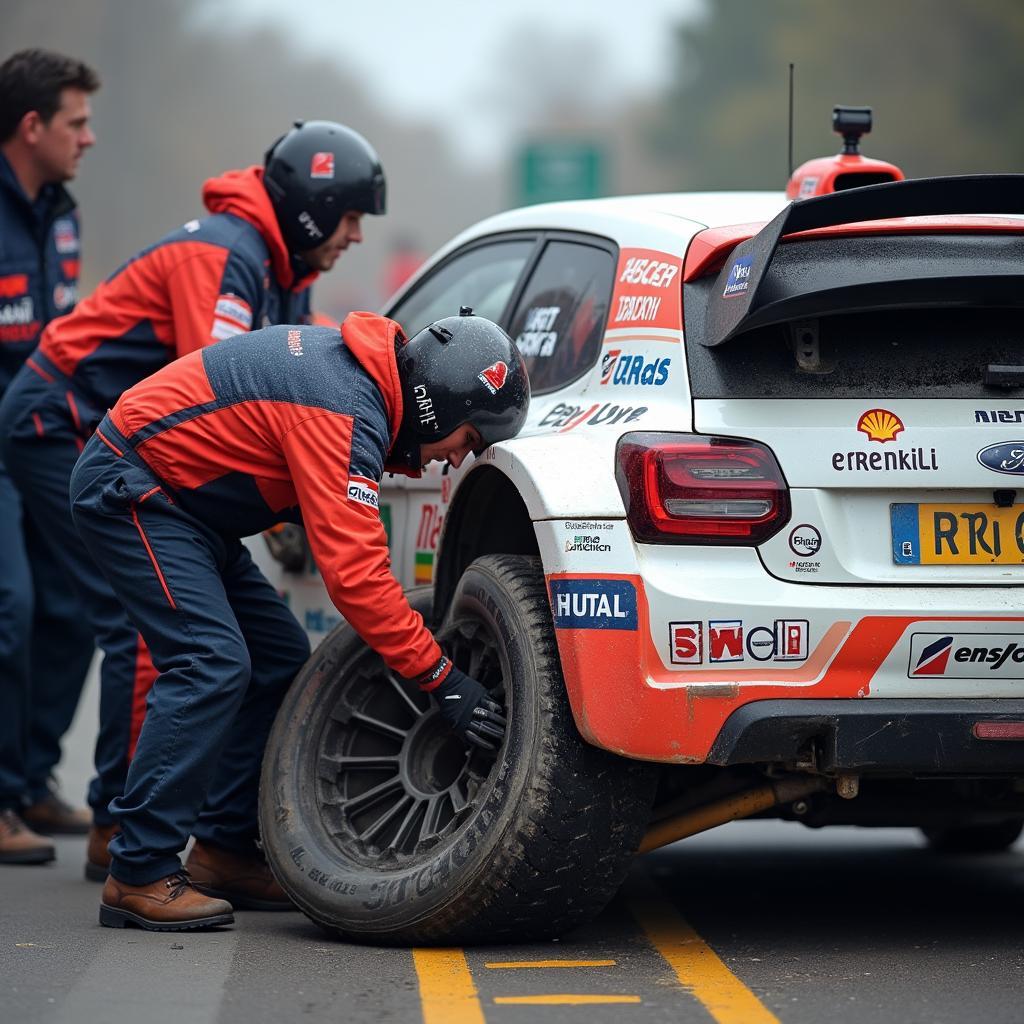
(447, 992)
(562, 1000)
(698, 967)
(551, 963)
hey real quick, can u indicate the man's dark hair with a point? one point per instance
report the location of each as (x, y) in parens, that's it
(33, 80)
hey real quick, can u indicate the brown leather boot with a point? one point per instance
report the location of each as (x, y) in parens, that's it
(97, 856)
(244, 880)
(169, 904)
(19, 844)
(54, 816)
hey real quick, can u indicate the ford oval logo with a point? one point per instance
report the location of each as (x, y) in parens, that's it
(1007, 457)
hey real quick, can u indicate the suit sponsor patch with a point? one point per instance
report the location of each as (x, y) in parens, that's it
(365, 491)
(231, 316)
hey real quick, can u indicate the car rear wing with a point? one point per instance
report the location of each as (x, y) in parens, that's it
(744, 296)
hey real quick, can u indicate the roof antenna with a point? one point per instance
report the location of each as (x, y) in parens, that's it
(790, 174)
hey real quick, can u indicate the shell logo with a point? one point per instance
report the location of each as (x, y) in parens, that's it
(880, 425)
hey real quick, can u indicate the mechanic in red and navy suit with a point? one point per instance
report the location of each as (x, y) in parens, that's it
(45, 646)
(248, 263)
(223, 443)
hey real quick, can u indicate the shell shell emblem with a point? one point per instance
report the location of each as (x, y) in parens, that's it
(880, 425)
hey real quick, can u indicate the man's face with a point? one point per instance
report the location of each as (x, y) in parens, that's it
(58, 145)
(348, 232)
(454, 448)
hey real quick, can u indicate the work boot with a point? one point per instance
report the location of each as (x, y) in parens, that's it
(54, 816)
(19, 844)
(244, 880)
(169, 904)
(97, 856)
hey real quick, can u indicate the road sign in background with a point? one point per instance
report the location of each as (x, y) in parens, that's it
(552, 171)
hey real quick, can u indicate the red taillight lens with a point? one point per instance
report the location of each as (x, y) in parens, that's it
(687, 489)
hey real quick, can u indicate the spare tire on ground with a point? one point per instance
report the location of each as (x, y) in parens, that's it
(383, 827)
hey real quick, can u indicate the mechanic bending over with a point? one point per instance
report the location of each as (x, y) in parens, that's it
(45, 645)
(223, 443)
(248, 263)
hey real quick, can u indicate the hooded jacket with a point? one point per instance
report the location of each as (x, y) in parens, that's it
(288, 423)
(209, 280)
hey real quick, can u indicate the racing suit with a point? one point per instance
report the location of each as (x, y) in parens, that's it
(220, 444)
(45, 646)
(210, 279)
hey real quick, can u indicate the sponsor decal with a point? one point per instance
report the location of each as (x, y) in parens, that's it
(424, 406)
(427, 536)
(69, 268)
(739, 278)
(586, 542)
(911, 459)
(423, 567)
(231, 316)
(21, 312)
(808, 186)
(637, 370)
(321, 165)
(64, 295)
(19, 332)
(966, 656)
(565, 417)
(647, 291)
(191, 226)
(811, 567)
(594, 604)
(13, 286)
(494, 377)
(310, 225)
(65, 237)
(586, 524)
(686, 643)
(365, 491)
(805, 540)
(1006, 457)
(295, 342)
(880, 425)
(538, 337)
(784, 640)
(980, 415)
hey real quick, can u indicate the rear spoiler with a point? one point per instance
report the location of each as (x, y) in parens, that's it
(737, 302)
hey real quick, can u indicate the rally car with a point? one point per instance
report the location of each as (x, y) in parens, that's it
(758, 551)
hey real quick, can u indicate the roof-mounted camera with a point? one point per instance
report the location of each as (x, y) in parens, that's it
(851, 123)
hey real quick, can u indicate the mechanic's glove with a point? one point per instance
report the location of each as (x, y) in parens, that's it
(465, 705)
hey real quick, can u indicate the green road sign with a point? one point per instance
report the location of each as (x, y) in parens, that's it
(552, 171)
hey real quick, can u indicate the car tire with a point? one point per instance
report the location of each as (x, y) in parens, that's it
(520, 846)
(974, 838)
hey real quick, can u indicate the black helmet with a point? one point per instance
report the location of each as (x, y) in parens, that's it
(317, 172)
(462, 369)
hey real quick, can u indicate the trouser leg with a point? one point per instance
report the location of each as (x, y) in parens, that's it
(278, 647)
(166, 569)
(15, 620)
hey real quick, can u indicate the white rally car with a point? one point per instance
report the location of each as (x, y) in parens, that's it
(759, 550)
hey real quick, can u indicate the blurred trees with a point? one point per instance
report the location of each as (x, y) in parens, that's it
(945, 78)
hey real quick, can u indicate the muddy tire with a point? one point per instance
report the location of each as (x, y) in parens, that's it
(381, 826)
(974, 838)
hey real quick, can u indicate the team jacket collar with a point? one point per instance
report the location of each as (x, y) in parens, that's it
(371, 339)
(243, 194)
(54, 199)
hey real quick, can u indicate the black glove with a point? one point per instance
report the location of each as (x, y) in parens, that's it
(467, 707)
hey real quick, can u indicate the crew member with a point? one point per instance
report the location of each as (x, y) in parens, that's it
(45, 646)
(247, 264)
(221, 444)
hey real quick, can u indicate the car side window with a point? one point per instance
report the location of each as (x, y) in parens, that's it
(482, 277)
(559, 321)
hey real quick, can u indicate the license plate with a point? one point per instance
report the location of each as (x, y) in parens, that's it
(957, 534)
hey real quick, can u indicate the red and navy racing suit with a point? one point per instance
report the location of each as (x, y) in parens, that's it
(223, 443)
(45, 646)
(211, 279)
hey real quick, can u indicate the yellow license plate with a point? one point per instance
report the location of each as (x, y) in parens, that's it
(957, 534)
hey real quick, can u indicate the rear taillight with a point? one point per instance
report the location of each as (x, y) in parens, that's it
(687, 489)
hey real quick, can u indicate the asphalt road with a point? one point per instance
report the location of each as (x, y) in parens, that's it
(753, 923)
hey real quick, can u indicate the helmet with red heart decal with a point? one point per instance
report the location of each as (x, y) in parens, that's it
(462, 369)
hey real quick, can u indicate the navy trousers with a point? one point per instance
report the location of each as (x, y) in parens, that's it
(226, 648)
(42, 432)
(45, 651)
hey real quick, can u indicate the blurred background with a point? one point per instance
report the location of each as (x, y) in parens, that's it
(475, 107)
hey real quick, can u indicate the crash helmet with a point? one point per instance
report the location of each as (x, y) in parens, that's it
(314, 174)
(462, 369)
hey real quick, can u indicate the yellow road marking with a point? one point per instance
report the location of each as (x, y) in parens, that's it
(447, 992)
(551, 963)
(562, 1000)
(698, 967)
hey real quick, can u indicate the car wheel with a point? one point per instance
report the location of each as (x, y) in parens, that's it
(974, 838)
(383, 827)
